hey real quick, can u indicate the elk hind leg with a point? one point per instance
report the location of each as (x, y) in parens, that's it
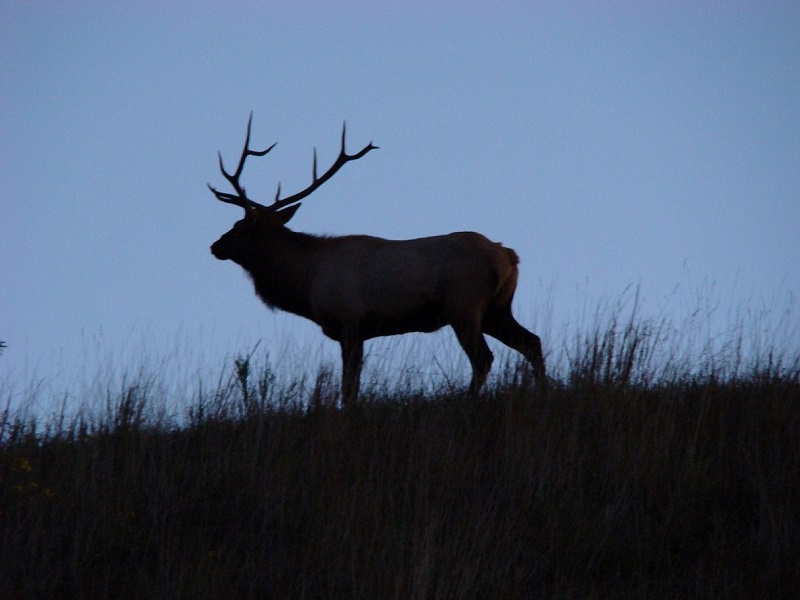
(501, 325)
(476, 349)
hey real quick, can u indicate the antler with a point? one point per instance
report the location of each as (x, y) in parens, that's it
(340, 161)
(240, 197)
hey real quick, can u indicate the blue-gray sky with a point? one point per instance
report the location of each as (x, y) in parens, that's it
(653, 144)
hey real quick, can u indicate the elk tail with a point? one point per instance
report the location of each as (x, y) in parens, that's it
(506, 274)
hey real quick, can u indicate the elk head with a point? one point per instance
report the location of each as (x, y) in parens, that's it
(260, 221)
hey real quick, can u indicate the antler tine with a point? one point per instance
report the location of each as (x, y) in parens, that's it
(246, 151)
(232, 198)
(240, 198)
(314, 166)
(316, 181)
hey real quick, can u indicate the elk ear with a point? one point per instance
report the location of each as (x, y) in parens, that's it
(285, 215)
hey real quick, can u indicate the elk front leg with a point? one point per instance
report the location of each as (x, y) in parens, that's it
(352, 358)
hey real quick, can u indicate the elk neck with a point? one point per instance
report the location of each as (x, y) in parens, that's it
(281, 268)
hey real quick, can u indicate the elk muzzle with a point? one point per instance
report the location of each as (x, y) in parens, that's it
(218, 249)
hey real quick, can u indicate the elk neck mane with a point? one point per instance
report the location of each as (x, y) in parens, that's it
(281, 266)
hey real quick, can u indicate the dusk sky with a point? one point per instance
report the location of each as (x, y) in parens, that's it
(612, 145)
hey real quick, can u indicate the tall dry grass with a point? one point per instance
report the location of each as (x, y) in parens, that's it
(635, 478)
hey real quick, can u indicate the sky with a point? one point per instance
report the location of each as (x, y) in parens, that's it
(615, 146)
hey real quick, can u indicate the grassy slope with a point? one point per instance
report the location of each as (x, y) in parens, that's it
(682, 490)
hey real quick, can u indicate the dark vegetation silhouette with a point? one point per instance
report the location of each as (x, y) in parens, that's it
(359, 287)
(627, 481)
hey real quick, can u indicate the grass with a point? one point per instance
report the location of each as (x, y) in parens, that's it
(628, 481)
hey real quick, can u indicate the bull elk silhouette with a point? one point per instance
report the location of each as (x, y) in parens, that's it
(358, 287)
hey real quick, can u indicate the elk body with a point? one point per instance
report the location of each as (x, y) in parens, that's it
(358, 287)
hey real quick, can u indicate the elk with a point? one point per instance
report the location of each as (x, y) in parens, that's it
(357, 287)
